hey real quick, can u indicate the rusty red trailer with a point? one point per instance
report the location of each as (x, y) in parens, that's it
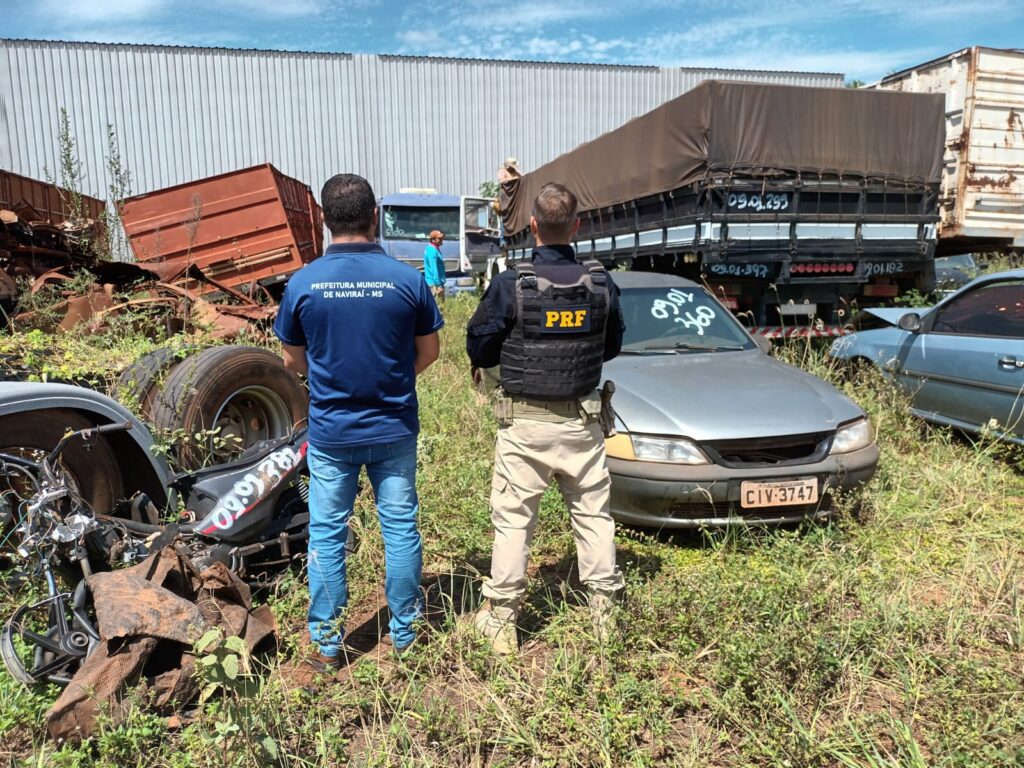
(250, 225)
(53, 203)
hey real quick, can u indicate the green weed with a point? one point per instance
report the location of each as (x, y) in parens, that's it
(890, 636)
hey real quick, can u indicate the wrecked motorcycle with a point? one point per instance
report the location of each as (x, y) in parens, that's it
(250, 514)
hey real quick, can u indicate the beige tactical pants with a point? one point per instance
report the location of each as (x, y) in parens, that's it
(528, 454)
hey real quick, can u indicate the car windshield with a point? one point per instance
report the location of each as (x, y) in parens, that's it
(415, 223)
(960, 261)
(678, 319)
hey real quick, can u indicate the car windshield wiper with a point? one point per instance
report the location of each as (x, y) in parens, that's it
(685, 346)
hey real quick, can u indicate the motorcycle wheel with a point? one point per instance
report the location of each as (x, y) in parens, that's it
(91, 467)
(33, 654)
(244, 393)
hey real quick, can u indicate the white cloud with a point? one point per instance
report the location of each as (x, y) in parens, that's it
(68, 12)
(525, 17)
(278, 8)
(421, 39)
(146, 34)
(791, 35)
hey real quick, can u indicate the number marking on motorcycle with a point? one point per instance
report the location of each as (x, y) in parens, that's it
(252, 488)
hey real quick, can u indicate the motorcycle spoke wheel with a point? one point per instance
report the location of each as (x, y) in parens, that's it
(33, 654)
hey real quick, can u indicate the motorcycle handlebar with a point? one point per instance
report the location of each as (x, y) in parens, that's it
(119, 426)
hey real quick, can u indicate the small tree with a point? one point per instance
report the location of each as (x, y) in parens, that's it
(71, 176)
(119, 188)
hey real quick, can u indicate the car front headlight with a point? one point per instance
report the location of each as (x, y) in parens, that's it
(852, 437)
(670, 450)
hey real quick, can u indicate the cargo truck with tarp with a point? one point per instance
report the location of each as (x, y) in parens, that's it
(795, 205)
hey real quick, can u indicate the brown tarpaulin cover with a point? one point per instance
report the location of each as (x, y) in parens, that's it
(148, 616)
(746, 128)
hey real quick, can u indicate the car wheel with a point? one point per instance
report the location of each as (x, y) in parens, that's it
(91, 468)
(232, 398)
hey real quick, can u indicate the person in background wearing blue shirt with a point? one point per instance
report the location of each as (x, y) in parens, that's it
(361, 326)
(433, 265)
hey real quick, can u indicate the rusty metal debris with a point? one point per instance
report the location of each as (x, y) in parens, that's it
(41, 249)
(97, 304)
(148, 617)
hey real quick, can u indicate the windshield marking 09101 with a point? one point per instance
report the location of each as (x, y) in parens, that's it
(676, 318)
(675, 299)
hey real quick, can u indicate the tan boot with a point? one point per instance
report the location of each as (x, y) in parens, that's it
(497, 622)
(603, 610)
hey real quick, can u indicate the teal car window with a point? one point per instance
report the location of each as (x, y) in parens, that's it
(995, 309)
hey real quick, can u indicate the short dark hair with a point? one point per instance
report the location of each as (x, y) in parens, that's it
(348, 202)
(555, 211)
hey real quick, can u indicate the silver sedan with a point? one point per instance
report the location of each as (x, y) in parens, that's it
(711, 429)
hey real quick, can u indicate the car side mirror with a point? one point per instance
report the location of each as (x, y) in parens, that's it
(763, 343)
(910, 322)
(982, 266)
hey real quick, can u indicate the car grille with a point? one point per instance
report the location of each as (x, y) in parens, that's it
(732, 509)
(770, 451)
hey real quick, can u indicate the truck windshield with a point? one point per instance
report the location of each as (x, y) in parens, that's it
(415, 223)
(678, 319)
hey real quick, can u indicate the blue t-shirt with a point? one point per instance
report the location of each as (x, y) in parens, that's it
(433, 265)
(357, 312)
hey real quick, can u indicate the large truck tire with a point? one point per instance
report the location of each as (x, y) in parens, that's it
(92, 467)
(220, 401)
(139, 383)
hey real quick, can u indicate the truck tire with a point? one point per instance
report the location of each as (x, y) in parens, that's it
(244, 393)
(92, 468)
(138, 384)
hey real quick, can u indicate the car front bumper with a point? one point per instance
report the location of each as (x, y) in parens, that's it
(708, 495)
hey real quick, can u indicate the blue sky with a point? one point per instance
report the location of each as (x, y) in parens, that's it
(864, 39)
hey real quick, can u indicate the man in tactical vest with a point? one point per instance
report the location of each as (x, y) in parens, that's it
(550, 324)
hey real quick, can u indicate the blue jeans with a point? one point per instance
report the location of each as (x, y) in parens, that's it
(333, 475)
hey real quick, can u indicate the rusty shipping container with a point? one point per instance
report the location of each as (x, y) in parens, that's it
(982, 204)
(53, 203)
(254, 224)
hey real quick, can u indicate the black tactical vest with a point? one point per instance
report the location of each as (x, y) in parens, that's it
(556, 349)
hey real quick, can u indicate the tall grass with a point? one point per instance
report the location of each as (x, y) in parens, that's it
(888, 637)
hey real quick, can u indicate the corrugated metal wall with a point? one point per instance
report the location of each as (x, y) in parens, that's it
(184, 113)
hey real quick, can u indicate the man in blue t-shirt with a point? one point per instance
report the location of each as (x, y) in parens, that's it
(433, 265)
(360, 325)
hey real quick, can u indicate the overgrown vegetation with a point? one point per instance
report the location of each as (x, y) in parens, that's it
(889, 637)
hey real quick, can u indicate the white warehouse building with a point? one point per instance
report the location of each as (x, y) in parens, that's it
(185, 113)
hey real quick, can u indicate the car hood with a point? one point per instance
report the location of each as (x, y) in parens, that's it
(723, 396)
(892, 315)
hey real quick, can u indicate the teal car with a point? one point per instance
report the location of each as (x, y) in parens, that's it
(961, 361)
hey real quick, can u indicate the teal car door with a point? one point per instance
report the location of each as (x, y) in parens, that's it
(966, 366)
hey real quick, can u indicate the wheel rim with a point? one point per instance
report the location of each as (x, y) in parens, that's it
(33, 648)
(246, 417)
